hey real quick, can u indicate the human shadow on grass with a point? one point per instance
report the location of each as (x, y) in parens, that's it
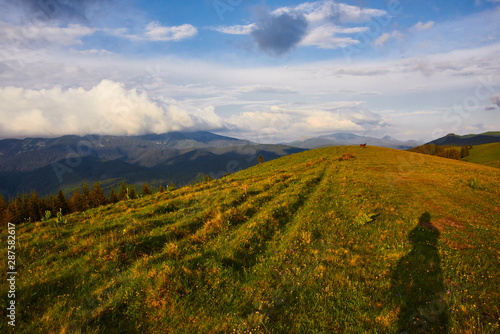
(417, 283)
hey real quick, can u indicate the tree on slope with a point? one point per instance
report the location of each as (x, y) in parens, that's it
(86, 196)
(97, 197)
(76, 202)
(146, 190)
(112, 196)
(122, 194)
(62, 202)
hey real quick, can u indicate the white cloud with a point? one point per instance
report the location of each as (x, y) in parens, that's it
(382, 40)
(423, 26)
(280, 122)
(156, 32)
(398, 35)
(33, 35)
(235, 30)
(323, 121)
(93, 52)
(325, 20)
(324, 37)
(332, 11)
(107, 108)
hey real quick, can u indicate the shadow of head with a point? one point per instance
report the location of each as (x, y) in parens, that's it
(425, 231)
(425, 218)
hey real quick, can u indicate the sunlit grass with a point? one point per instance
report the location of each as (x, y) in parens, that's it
(382, 241)
(487, 154)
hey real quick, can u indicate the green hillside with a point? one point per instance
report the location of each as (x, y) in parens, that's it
(377, 241)
(487, 154)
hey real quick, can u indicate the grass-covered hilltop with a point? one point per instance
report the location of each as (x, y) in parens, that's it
(340, 239)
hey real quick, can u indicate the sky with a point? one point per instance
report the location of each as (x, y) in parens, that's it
(265, 71)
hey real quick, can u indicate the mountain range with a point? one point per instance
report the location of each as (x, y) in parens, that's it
(49, 164)
(343, 139)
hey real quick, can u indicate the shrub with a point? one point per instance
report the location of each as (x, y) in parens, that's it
(146, 190)
(48, 215)
(363, 219)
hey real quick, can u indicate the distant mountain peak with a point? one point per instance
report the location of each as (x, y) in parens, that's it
(341, 136)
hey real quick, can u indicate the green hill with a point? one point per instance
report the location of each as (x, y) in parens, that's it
(487, 154)
(323, 241)
(452, 139)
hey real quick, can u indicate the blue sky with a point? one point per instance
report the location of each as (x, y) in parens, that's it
(267, 71)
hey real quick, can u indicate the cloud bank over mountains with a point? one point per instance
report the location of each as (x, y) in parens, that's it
(110, 108)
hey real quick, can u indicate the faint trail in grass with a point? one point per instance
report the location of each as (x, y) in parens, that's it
(277, 221)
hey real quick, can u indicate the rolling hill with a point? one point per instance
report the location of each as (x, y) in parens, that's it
(332, 240)
(452, 139)
(487, 154)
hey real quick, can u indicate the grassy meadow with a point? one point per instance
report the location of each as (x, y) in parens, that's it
(487, 154)
(332, 240)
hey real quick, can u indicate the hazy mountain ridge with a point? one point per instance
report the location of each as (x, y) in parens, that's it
(47, 164)
(345, 139)
(32, 153)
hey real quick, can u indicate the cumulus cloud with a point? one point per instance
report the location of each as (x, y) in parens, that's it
(382, 40)
(156, 32)
(316, 24)
(423, 26)
(107, 108)
(279, 33)
(312, 24)
(285, 122)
